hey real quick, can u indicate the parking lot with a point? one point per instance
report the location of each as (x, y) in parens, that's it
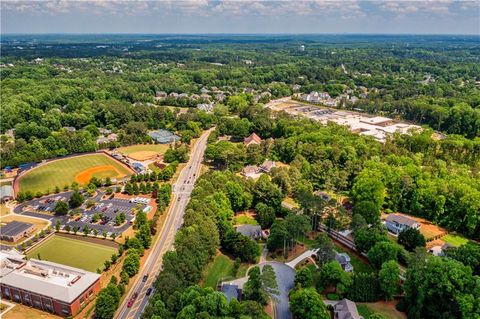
(106, 210)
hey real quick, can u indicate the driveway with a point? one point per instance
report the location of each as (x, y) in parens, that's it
(285, 280)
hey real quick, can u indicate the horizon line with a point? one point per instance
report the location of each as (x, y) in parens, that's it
(238, 33)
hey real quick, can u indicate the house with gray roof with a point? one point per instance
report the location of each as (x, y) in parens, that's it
(395, 223)
(15, 230)
(346, 309)
(344, 261)
(252, 231)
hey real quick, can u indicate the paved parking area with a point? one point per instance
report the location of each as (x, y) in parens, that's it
(107, 208)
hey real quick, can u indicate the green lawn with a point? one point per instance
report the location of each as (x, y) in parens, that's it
(219, 268)
(455, 240)
(72, 252)
(386, 309)
(62, 172)
(358, 264)
(243, 220)
(158, 148)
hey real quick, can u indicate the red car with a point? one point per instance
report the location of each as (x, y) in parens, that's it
(132, 300)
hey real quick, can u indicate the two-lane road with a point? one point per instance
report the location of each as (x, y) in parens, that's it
(181, 195)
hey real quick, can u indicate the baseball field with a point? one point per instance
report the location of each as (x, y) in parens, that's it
(73, 169)
(71, 252)
(142, 152)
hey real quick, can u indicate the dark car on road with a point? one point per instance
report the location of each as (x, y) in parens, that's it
(149, 291)
(145, 278)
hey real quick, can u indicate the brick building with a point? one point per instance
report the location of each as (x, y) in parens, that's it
(15, 230)
(45, 285)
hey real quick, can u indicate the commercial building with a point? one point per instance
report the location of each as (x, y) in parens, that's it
(15, 230)
(6, 193)
(45, 285)
(377, 127)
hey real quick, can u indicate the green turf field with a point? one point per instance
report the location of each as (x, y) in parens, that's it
(63, 172)
(72, 252)
(158, 148)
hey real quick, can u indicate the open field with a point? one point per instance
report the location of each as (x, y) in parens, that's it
(454, 239)
(387, 309)
(245, 218)
(220, 269)
(73, 252)
(4, 210)
(66, 171)
(142, 152)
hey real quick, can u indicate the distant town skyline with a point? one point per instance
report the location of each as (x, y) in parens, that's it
(241, 16)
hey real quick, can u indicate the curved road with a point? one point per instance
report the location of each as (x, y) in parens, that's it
(181, 195)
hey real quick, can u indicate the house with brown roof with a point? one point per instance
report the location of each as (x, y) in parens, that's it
(252, 139)
(251, 171)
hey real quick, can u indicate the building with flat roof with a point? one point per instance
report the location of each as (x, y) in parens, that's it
(6, 193)
(45, 285)
(15, 230)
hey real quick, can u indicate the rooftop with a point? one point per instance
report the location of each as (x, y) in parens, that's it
(45, 278)
(6, 190)
(14, 228)
(401, 219)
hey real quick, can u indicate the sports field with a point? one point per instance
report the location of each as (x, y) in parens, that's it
(72, 252)
(74, 169)
(142, 152)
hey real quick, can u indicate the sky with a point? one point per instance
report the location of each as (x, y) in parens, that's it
(241, 16)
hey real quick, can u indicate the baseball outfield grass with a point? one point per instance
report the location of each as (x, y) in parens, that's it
(72, 252)
(74, 169)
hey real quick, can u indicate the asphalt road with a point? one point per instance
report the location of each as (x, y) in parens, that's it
(164, 242)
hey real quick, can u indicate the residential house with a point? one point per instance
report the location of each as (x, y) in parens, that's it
(70, 128)
(159, 95)
(231, 291)
(396, 223)
(267, 166)
(344, 261)
(252, 139)
(251, 171)
(252, 231)
(346, 309)
(207, 107)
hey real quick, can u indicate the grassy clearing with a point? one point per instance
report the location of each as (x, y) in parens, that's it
(244, 220)
(358, 264)
(25, 312)
(219, 268)
(157, 148)
(4, 210)
(292, 202)
(387, 309)
(455, 240)
(63, 172)
(72, 252)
